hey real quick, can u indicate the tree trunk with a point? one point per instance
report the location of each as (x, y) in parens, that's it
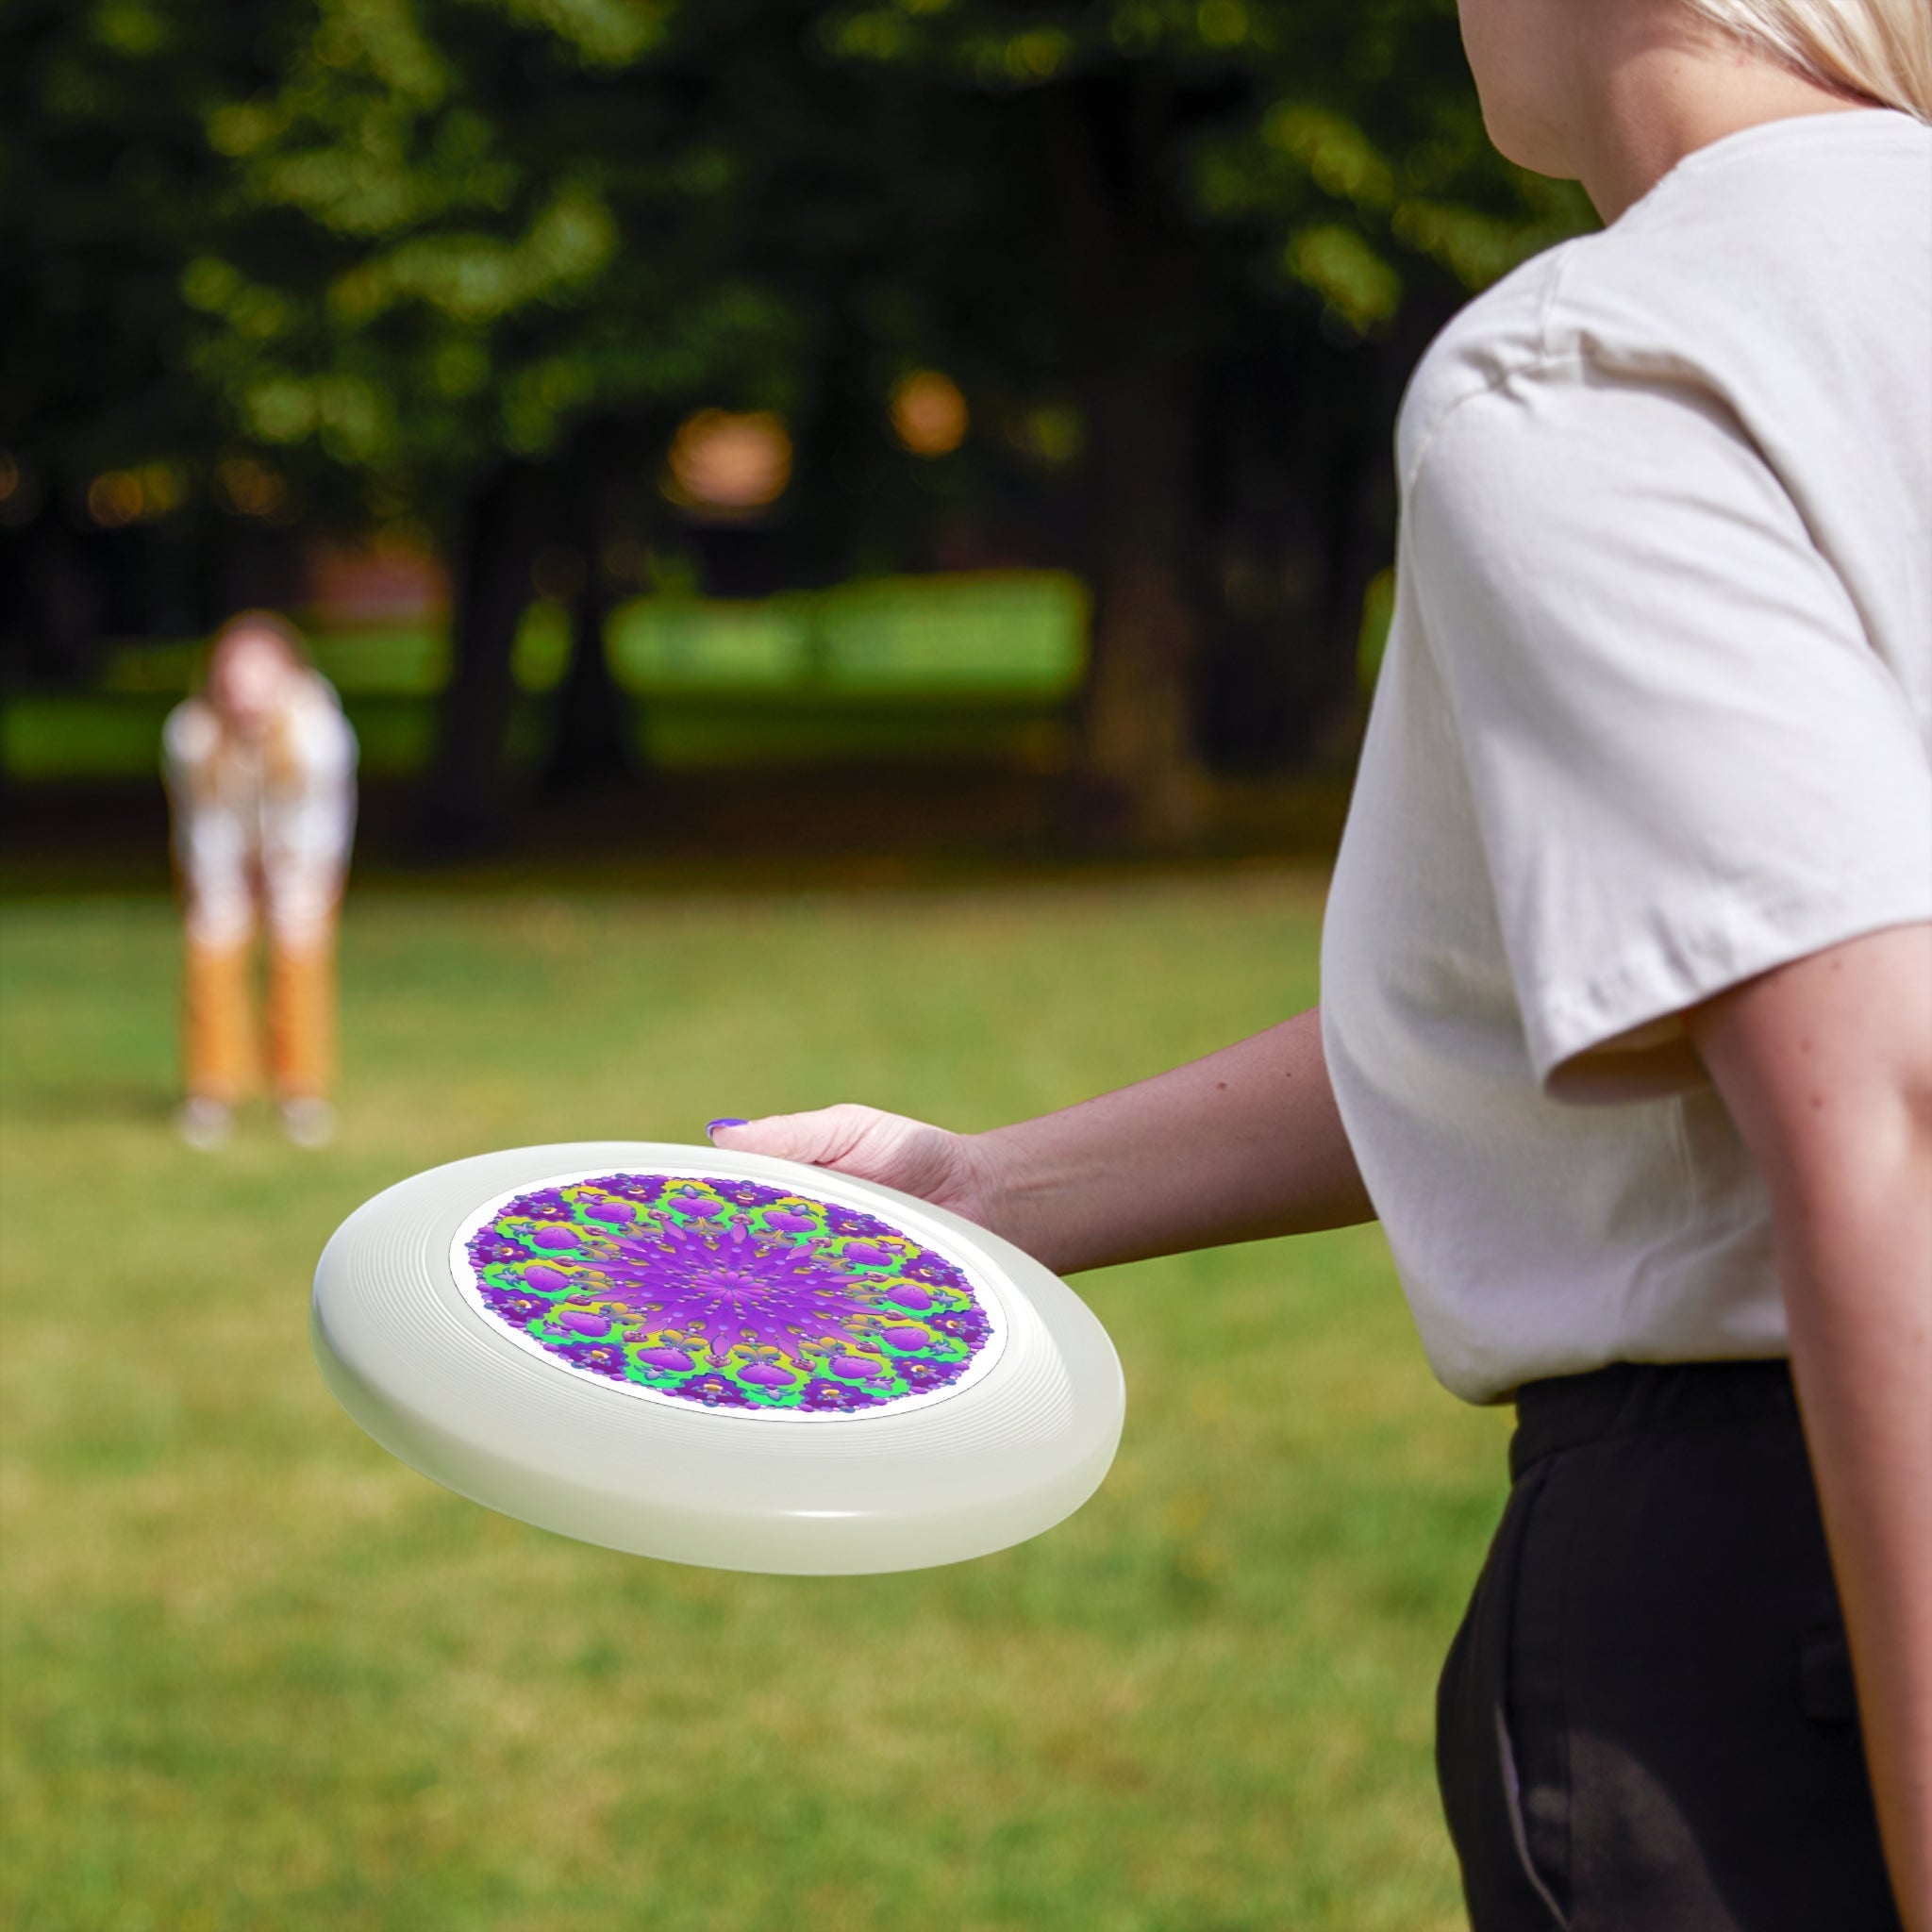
(591, 743)
(1138, 725)
(466, 801)
(1133, 302)
(62, 600)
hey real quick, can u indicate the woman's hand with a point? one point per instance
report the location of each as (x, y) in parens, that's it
(949, 1170)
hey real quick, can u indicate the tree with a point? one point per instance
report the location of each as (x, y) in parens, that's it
(1217, 200)
(485, 237)
(469, 262)
(109, 190)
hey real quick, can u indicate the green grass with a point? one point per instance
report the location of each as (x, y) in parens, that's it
(110, 735)
(259, 1675)
(981, 665)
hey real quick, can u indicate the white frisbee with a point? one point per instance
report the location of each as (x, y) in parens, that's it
(717, 1358)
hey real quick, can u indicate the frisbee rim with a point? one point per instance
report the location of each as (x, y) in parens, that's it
(1018, 1451)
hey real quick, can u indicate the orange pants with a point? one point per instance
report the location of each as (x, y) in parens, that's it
(223, 1049)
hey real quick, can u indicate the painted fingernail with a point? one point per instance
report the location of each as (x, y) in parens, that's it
(712, 1126)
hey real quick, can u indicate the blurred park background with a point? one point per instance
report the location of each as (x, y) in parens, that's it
(855, 539)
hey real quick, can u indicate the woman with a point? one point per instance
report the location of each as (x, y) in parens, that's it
(1627, 1020)
(261, 769)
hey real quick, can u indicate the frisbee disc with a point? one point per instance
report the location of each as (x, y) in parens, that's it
(717, 1358)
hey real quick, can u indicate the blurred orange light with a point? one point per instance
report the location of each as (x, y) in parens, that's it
(114, 499)
(728, 464)
(930, 415)
(251, 489)
(10, 475)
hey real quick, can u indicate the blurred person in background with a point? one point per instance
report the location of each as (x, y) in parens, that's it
(1626, 1020)
(260, 768)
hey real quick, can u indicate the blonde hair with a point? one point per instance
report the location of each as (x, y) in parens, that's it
(1879, 50)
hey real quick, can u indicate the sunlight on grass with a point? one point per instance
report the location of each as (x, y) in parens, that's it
(259, 1675)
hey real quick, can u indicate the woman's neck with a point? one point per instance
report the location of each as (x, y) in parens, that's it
(1655, 98)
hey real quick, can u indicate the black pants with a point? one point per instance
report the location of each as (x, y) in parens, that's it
(1646, 1720)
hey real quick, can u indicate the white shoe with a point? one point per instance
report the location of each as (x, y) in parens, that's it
(204, 1124)
(309, 1122)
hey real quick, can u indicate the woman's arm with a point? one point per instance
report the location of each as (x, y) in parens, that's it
(1827, 1067)
(1243, 1145)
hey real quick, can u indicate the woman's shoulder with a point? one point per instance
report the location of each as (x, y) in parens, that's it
(192, 733)
(1498, 334)
(1755, 266)
(321, 734)
(315, 695)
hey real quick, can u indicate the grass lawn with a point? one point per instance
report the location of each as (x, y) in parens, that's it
(259, 1675)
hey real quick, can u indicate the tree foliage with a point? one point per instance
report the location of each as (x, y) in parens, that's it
(416, 253)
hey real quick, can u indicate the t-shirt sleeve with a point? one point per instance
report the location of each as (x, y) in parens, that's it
(1687, 761)
(324, 740)
(188, 737)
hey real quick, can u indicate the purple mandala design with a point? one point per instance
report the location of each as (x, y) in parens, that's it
(728, 1294)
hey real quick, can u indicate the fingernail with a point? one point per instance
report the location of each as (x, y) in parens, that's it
(712, 1126)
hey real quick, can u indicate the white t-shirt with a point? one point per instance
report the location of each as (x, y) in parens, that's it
(251, 826)
(1656, 716)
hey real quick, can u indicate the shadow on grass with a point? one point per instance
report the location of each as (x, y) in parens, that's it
(84, 1103)
(758, 829)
